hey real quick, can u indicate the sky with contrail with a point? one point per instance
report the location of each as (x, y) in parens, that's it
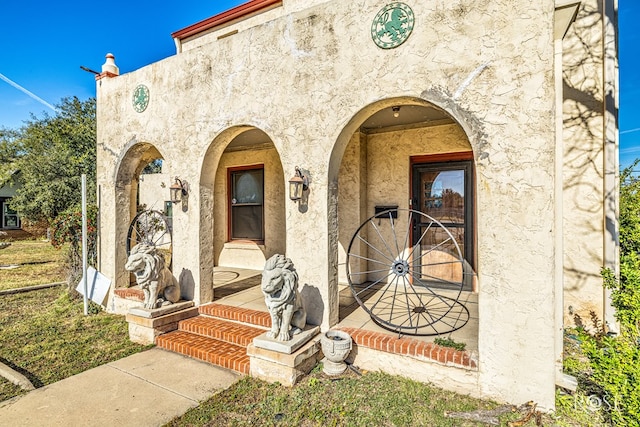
(27, 92)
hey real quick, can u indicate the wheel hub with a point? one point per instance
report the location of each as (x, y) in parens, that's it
(400, 268)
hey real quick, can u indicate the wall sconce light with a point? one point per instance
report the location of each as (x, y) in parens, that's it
(297, 185)
(179, 189)
(396, 111)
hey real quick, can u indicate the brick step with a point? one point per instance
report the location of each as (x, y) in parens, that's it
(220, 353)
(133, 293)
(219, 329)
(238, 314)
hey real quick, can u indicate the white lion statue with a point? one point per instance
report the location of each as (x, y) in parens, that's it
(154, 278)
(280, 289)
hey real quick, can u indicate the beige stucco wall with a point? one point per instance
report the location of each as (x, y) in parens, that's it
(248, 254)
(154, 190)
(245, 23)
(584, 156)
(309, 80)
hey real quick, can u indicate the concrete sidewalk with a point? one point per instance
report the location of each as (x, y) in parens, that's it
(145, 389)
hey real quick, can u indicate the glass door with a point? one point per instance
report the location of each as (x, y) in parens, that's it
(443, 192)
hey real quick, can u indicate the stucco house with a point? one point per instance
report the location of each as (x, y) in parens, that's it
(449, 146)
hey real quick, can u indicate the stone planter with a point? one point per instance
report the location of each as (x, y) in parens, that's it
(336, 346)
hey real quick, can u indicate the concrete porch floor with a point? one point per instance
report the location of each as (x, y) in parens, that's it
(241, 288)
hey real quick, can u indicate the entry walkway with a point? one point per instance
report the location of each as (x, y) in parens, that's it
(145, 389)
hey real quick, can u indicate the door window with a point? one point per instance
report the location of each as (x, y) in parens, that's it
(247, 204)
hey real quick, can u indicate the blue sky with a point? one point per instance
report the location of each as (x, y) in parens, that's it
(44, 43)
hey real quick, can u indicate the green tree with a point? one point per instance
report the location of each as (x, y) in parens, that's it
(51, 153)
(9, 153)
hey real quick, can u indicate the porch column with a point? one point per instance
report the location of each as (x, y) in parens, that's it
(312, 248)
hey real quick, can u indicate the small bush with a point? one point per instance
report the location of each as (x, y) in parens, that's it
(67, 228)
(448, 342)
(614, 361)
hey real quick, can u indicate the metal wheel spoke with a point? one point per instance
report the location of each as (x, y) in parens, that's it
(151, 227)
(408, 233)
(382, 292)
(368, 259)
(417, 245)
(370, 271)
(434, 248)
(382, 239)
(373, 284)
(439, 263)
(449, 282)
(395, 237)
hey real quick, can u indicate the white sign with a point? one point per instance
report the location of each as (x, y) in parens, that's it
(97, 286)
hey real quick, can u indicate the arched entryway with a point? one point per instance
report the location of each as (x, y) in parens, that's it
(138, 158)
(243, 209)
(405, 154)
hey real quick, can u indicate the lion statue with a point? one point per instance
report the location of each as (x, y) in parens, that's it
(154, 278)
(280, 289)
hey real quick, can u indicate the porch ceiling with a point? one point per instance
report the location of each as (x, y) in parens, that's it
(408, 117)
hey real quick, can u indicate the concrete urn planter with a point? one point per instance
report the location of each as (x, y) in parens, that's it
(336, 346)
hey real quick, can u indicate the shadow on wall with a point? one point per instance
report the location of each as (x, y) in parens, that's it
(187, 285)
(312, 301)
(585, 100)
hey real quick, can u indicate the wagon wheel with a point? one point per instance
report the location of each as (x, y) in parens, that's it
(152, 228)
(407, 271)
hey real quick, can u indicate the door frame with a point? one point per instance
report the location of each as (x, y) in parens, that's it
(458, 160)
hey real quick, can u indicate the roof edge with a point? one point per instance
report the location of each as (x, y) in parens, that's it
(225, 17)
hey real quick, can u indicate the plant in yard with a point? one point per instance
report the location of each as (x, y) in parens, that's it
(67, 228)
(448, 342)
(614, 361)
(3, 244)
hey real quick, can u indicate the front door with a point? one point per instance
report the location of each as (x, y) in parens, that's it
(444, 192)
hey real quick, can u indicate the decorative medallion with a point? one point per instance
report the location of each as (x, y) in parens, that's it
(393, 25)
(140, 98)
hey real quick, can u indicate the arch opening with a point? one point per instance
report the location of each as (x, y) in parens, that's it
(140, 185)
(392, 155)
(243, 208)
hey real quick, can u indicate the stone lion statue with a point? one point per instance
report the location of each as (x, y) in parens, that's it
(280, 289)
(152, 275)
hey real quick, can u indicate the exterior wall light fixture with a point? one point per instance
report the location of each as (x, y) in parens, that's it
(396, 111)
(179, 190)
(297, 185)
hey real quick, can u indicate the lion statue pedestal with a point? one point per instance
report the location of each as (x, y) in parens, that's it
(291, 349)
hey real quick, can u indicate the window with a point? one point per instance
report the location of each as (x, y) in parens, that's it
(246, 203)
(10, 217)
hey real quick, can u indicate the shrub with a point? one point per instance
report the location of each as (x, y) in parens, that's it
(67, 228)
(615, 360)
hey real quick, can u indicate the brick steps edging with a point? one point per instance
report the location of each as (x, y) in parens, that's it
(239, 314)
(221, 329)
(220, 353)
(412, 348)
(134, 294)
(219, 335)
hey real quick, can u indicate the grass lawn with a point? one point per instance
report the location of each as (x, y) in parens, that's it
(46, 337)
(46, 267)
(374, 399)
